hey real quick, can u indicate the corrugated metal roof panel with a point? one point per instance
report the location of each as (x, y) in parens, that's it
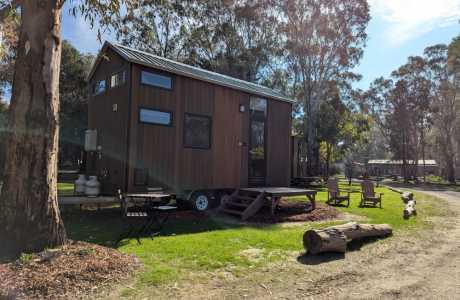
(428, 162)
(153, 61)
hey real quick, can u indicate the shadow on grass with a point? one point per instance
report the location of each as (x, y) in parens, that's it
(104, 227)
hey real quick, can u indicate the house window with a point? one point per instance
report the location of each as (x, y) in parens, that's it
(156, 117)
(117, 79)
(99, 87)
(197, 131)
(157, 80)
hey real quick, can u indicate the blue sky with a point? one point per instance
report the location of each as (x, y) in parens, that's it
(398, 29)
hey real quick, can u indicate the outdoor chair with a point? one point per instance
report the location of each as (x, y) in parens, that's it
(368, 195)
(334, 196)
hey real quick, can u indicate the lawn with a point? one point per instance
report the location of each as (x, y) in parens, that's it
(65, 189)
(190, 247)
(392, 207)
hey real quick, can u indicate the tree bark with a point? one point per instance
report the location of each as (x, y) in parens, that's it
(335, 238)
(29, 212)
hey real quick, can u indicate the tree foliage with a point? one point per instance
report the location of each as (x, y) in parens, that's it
(74, 101)
(230, 37)
(324, 41)
(417, 109)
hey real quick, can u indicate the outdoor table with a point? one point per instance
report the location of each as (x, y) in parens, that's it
(154, 218)
(141, 199)
(148, 209)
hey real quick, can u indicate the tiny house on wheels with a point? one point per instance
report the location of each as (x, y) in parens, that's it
(154, 122)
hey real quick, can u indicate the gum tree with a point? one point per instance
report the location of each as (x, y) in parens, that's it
(29, 213)
(324, 41)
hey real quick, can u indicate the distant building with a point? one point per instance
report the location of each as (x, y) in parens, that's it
(384, 167)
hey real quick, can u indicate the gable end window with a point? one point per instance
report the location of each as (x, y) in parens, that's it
(118, 79)
(156, 80)
(155, 117)
(197, 131)
(99, 87)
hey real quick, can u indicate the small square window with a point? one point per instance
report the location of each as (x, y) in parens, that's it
(155, 117)
(197, 131)
(117, 79)
(157, 80)
(99, 87)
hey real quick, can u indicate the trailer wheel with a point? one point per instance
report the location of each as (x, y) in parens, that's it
(201, 201)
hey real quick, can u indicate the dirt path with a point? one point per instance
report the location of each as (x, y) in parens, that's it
(425, 265)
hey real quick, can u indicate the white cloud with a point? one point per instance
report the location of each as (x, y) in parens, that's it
(408, 19)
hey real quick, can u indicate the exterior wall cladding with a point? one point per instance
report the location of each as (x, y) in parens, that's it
(133, 155)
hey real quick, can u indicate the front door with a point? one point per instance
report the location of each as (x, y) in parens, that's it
(257, 142)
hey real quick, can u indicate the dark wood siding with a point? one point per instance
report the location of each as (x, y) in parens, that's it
(111, 125)
(278, 143)
(229, 138)
(160, 149)
(152, 146)
(195, 165)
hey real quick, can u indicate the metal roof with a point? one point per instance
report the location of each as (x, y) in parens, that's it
(164, 64)
(428, 162)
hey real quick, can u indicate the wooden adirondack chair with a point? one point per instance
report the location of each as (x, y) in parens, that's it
(334, 196)
(368, 195)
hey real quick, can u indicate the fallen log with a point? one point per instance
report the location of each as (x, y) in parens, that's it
(335, 238)
(410, 209)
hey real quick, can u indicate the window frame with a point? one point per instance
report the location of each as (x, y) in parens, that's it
(158, 110)
(93, 93)
(185, 128)
(160, 73)
(124, 72)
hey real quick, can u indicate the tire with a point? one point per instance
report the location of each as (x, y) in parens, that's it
(201, 201)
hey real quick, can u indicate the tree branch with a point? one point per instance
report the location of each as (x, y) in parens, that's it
(5, 11)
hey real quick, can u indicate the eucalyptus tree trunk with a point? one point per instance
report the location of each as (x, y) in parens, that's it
(29, 213)
(311, 135)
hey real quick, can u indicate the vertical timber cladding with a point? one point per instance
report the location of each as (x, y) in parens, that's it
(196, 166)
(229, 138)
(152, 147)
(278, 143)
(160, 149)
(111, 125)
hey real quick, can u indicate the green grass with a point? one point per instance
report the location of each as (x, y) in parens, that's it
(392, 207)
(65, 189)
(189, 248)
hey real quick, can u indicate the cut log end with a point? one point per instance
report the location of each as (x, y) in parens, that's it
(316, 241)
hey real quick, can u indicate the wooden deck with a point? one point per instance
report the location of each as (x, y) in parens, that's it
(279, 191)
(247, 202)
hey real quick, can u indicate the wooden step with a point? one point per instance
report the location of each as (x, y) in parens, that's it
(244, 198)
(232, 211)
(237, 204)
